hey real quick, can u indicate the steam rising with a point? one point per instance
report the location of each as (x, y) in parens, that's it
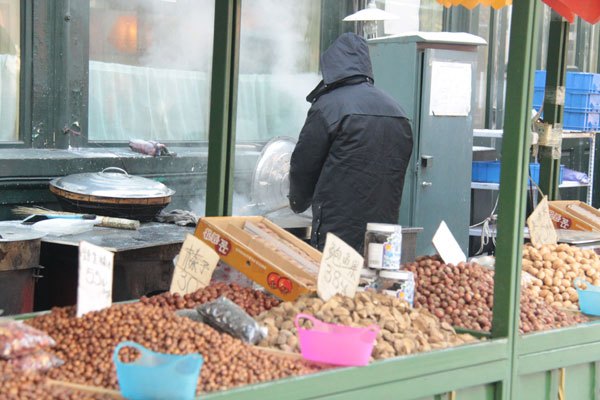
(278, 67)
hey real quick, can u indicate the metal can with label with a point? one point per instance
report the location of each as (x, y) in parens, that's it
(383, 246)
(400, 284)
(368, 280)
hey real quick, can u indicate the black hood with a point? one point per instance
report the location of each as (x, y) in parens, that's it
(346, 61)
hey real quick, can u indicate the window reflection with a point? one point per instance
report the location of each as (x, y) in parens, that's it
(149, 71)
(9, 69)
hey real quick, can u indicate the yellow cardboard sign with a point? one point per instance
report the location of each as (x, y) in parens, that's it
(541, 228)
(194, 267)
(340, 269)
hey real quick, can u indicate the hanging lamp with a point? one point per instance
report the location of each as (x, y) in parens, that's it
(370, 16)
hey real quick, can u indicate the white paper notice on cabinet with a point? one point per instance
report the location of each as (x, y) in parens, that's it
(94, 289)
(450, 89)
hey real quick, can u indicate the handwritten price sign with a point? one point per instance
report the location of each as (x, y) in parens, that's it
(541, 228)
(195, 266)
(340, 269)
(94, 289)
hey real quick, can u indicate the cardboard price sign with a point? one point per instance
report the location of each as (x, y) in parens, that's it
(194, 267)
(340, 269)
(94, 288)
(541, 228)
(447, 246)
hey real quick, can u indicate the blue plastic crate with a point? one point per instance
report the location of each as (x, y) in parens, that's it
(576, 81)
(538, 97)
(560, 174)
(582, 101)
(540, 80)
(573, 100)
(489, 172)
(581, 120)
(582, 81)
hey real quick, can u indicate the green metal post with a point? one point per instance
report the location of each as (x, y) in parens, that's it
(490, 68)
(223, 101)
(513, 181)
(554, 100)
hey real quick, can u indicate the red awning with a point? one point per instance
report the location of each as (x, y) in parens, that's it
(589, 10)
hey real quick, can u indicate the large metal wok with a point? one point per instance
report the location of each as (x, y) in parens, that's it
(112, 192)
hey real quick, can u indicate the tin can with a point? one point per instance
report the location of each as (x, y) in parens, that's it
(383, 246)
(400, 284)
(368, 280)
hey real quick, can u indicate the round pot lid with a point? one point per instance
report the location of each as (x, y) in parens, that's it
(270, 182)
(112, 182)
(15, 234)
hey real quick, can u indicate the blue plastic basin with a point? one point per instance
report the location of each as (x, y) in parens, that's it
(589, 299)
(158, 375)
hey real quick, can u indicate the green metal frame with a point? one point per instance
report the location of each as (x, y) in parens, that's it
(556, 69)
(26, 74)
(409, 377)
(223, 100)
(513, 181)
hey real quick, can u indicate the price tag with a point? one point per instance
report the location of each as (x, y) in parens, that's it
(94, 288)
(447, 246)
(541, 229)
(340, 269)
(195, 265)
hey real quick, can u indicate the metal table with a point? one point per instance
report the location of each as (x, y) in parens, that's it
(142, 264)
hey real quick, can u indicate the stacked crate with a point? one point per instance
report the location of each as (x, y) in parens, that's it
(489, 171)
(582, 100)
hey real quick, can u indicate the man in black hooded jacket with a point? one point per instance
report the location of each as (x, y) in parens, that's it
(353, 151)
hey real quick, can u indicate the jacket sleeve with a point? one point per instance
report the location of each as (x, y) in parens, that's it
(307, 160)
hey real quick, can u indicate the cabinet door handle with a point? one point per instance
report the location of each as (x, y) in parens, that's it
(426, 184)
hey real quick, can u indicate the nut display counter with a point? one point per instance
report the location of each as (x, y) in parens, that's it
(417, 352)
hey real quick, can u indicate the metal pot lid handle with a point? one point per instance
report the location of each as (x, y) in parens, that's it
(114, 169)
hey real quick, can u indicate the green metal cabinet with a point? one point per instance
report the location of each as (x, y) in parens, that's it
(414, 70)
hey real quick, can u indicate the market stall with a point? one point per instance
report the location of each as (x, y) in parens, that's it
(471, 333)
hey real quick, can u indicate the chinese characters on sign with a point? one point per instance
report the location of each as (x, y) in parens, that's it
(340, 269)
(222, 245)
(194, 268)
(94, 289)
(560, 221)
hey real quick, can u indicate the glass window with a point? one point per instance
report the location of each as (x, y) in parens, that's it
(414, 15)
(150, 68)
(279, 66)
(481, 27)
(10, 65)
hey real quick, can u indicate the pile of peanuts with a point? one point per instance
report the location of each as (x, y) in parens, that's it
(17, 385)
(556, 267)
(403, 330)
(252, 301)
(86, 345)
(462, 295)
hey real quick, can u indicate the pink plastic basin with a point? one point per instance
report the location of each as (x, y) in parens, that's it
(336, 344)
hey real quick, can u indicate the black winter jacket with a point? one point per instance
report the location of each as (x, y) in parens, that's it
(353, 151)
